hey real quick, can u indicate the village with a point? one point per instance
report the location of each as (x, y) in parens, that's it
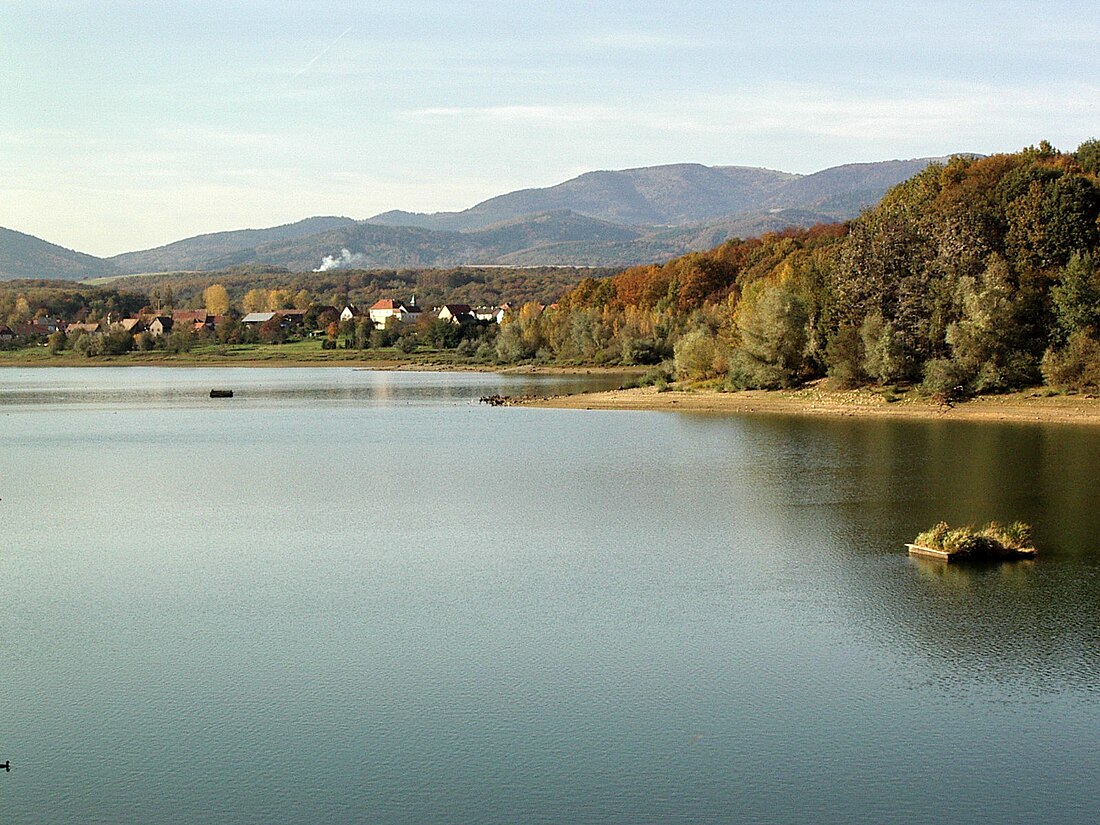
(147, 330)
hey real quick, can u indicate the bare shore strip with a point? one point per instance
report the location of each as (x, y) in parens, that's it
(1034, 406)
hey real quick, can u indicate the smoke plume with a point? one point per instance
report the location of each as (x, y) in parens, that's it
(346, 259)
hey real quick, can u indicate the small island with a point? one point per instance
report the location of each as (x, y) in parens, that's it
(991, 543)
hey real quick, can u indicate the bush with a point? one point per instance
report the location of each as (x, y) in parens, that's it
(407, 344)
(698, 356)
(945, 377)
(992, 540)
(1076, 366)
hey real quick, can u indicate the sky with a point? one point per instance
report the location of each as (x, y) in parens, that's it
(126, 125)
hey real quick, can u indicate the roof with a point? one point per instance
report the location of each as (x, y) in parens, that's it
(182, 316)
(457, 309)
(165, 321)
(128, 324)
(257, 317)
(386, 303)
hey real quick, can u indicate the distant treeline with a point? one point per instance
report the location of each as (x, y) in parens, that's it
(22, 300)
(981, 275)
(476, 286)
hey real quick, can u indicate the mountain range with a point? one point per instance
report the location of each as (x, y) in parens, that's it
(605, 218)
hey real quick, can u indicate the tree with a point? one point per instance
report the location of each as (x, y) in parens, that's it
(988, 347)
(255, 300)
(698, 356)
(22, 309)
(279, 299)
(57, 342)
(772, 322)
(272, 331)
(162, 297)
(1088, 156)
(303, 300)
(1076, 296)
(216, 299)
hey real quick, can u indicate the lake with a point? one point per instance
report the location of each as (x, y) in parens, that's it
(352, 596)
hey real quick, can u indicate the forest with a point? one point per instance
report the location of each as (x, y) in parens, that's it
(981, 275)
(975, 276)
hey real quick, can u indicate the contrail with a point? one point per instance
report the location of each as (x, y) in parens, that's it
(321, 54)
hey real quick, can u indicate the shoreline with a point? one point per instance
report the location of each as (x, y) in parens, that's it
(1027, 406)
(380, 365)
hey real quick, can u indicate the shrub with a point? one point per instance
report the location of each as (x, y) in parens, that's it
(698, 356)
(1076, 366)
(945, 377)
(992, 540)
(407, 344)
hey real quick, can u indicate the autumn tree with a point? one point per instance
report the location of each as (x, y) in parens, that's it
(255, 300)
(216, 299)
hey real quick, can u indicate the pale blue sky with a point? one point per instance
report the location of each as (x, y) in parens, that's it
(131, 124)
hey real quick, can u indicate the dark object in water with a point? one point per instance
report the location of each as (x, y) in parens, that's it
(221, 393)
(7, 766)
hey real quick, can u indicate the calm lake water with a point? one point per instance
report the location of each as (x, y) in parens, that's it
(348, 596)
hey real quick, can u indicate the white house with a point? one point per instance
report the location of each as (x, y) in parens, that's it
(494, 314)
(387, 308)
(456, 313)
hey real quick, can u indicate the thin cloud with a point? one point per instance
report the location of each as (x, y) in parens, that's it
(517, 114)
(633, 41)
(319, 55)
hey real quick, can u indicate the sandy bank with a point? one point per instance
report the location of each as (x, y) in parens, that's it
(1026, 406)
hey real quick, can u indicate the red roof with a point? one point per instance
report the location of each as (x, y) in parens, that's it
(386, 303)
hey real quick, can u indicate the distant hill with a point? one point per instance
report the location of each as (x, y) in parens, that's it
(683, 193)
(606, 218)
(25, 256)
(202, 251)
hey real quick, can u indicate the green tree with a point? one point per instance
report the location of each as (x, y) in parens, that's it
(1076, 296)
(698, 356)
(772, 323)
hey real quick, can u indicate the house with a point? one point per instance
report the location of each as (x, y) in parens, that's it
(492, 314)
(457, 313)
(382, 311)
(257, 318)
(86, 328)
(160, 325)
(292, 317)
(133, 325)
(6, 333)
(350, 312)
(196, 319)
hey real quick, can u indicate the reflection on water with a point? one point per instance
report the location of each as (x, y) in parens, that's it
(348, 597)
(122, 386)
(873, 485)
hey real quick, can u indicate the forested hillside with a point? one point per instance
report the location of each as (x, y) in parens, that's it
(978, 275)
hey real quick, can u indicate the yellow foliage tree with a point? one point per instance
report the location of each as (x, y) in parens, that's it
(216, 299)
(255, 300)
(279, 299)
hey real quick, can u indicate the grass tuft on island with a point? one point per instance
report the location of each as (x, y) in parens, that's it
(992, 542)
